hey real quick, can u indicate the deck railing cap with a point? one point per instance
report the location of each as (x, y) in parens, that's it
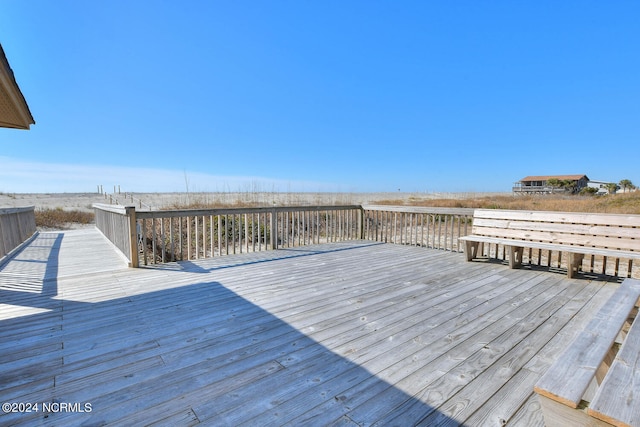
(121, 209)
(6, 211)
(420, 209)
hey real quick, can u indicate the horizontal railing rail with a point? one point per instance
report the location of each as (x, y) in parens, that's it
(133, 200)
(16, 226)
(429, 227)
(127, 198)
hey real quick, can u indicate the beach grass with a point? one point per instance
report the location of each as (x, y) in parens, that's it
(59, 218)
(622, 203)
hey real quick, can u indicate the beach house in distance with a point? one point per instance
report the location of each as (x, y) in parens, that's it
(540, 184)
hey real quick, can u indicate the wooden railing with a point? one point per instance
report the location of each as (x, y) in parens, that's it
(176, 235)
(16, 226)
(158, 236)
(128, 198)
(429, 227)
(117, 223)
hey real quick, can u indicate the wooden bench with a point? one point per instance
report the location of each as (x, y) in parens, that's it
(577, 234)
(592, 383)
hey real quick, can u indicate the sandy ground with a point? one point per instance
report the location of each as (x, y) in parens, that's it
(71, 201)
(84, 201)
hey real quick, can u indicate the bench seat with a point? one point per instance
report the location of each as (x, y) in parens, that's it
(578, 234)
(562, 390)
(516, 246)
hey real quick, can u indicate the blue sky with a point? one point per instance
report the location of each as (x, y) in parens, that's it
(460, 96)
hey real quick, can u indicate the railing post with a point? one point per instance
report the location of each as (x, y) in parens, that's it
(274, 229)
(133, 236)
(361, 223)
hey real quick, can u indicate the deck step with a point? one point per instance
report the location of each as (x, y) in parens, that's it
(587, 359)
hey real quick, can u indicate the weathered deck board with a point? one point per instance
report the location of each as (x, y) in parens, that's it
(351, 333)
(616, 400)
(568, 380)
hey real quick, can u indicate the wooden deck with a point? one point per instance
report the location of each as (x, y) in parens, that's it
(355, 333)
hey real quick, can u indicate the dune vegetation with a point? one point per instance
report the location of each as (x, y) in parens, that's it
(623, 203)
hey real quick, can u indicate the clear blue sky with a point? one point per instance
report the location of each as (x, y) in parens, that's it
(320, 95)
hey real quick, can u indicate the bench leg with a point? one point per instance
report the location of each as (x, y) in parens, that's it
(574, 264)
(515, 256)
(471, 249)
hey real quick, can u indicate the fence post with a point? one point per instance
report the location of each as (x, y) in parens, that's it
(361, 223)
(133, 236)
(274, 229)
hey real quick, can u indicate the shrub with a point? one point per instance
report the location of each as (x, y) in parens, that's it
(59, 218)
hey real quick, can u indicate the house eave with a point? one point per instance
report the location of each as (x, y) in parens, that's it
(14, 111)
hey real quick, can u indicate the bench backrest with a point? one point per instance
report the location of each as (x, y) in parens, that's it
(611, 231)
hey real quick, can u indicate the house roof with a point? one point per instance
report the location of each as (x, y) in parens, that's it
(14, 111)
(548, 177)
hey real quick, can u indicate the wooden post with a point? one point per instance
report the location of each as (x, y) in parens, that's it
(133, 236)
(274, 229)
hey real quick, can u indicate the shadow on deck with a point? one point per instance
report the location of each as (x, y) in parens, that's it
(350, 333)
(195, 353)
